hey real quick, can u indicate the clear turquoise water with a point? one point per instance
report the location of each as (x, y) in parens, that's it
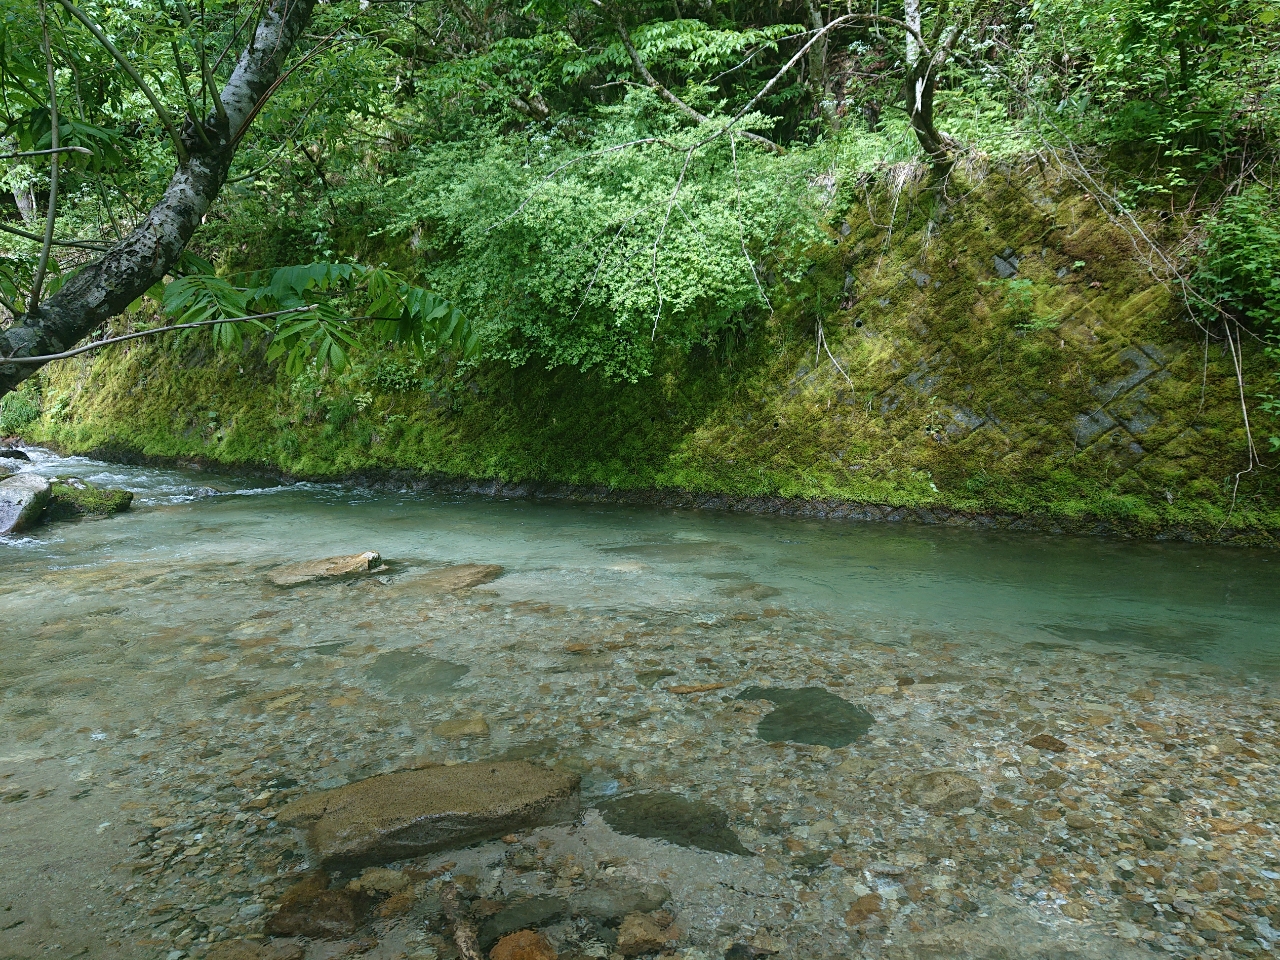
(151, 674)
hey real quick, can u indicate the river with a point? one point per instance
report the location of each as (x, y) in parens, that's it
(161, 698)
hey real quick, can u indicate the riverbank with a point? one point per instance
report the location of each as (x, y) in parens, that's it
(1005, 362)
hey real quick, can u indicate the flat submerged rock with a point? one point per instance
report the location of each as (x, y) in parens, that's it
(458, 576)
(294, 574)
(809, 715)
(400, 815)
(670, 817)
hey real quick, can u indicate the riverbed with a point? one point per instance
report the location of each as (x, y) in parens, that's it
(1071, 743)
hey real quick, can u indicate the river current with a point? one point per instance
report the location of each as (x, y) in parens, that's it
(1070, 744)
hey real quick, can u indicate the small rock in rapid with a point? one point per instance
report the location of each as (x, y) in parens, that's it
(311, 909)
(944, 791)
(11, 453)
(618, 899)
(249, 950)
(400, 815)
(523, 945)
(379, 880)
(642, 933)
(1079, 821)
(863, 909)
(1047, 741)
(293, 574)
(462, 727)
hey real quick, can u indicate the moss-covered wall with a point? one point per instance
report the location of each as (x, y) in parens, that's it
(998, 347)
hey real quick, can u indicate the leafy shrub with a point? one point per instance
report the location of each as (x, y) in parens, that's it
(1239, 263)
(1239, 272)
(18, 410)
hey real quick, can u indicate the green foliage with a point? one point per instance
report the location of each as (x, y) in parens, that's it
(1238, 268)
(19, 409)
(1238, 273)
(309, 325)
(1018, 303)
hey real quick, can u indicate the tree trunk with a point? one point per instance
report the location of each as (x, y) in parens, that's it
(923, 67)
(819, 68)
(921, 80)
(25, 197)
(133, 265)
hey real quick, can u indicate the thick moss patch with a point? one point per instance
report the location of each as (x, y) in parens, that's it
(1004, 356)
(70, 498)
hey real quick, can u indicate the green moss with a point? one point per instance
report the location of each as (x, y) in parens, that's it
(72, 498)
(932, 391)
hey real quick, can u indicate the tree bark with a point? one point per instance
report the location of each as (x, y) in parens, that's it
(819, 68)
(133, 265)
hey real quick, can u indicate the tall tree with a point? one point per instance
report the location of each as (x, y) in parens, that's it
(204, 149)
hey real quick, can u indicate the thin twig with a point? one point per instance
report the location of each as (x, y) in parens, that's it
(41, 153)
(206, 74)
(737, 208)
(285, 75)
(81, 244)
(670, 97)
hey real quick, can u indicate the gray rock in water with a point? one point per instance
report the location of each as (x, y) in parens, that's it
(294, 574)
(944, 791)
(407, 814)
(407, 673)
(9, 453)
(22, 501)
(1007, 933)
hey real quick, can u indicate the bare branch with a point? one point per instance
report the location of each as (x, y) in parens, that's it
(43, 153)
(206, 74)
(99, 344)
(80, 244)
(670, 97)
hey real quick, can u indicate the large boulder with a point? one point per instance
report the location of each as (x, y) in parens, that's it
(293, 574)
(22, 501)
(400, 815)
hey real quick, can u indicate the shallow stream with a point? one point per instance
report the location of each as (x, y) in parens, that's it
(160, 698)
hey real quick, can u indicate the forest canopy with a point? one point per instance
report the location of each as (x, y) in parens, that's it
(580, 182)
